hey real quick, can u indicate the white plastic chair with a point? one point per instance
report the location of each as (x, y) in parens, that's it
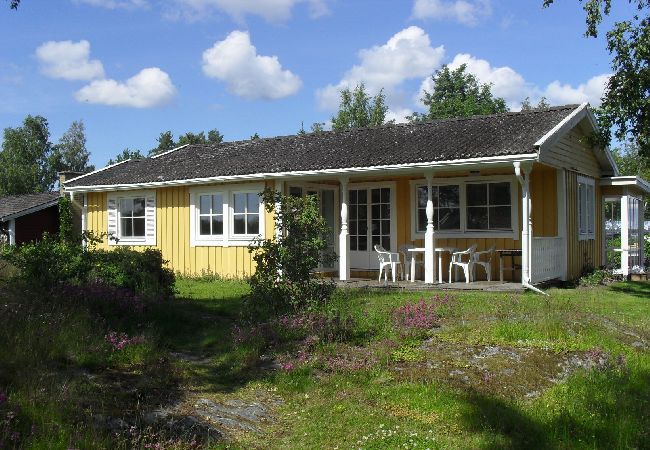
(467, 266)
(407, 257)
(487, 265)
(387, 259)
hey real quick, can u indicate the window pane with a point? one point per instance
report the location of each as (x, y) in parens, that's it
(253, 223)
(385, 195)
(353, 197)
(476, 194)
(353, 243)
(385, 211)
(204, 204)
(217, 204)
(138, 227)
(477, 218)
(217, 224)
(449, 218)
(295, 191)
(138, 207)
(126, 207)
(375, 227)
(363, 227)
(500, 218)
(449, 196)
(385, 242)
(376, 211)
(499, 193)
(422, 220)
(353, 212)
(253, 203)
(362, 196)
(375, 195)
(422, 196)
(353, 227)
(363, 212)
(240, 203)
(239, 225)
(126, 228)
(385, 227)
(376, 240)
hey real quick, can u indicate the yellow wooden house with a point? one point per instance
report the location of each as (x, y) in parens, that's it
(525, 182)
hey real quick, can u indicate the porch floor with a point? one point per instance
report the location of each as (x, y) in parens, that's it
(368, 283)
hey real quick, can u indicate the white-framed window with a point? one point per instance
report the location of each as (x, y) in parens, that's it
(246, 214)
(483, 206)
(446, 208)
(586, 208)
(132, 218)
(226, 215)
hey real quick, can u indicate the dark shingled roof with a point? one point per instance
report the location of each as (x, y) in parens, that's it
(437, 140)
(13, 204)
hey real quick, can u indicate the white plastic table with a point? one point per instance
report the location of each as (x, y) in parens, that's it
(439, 251)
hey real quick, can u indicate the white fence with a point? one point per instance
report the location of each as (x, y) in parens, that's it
(547, 258)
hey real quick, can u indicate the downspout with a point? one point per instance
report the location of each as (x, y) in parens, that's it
(526, 247)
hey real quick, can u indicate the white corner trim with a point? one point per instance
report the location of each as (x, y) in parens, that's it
(399, 168)
(568, 122)
(169, 151)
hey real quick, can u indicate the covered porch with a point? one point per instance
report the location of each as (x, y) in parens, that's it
(508, 212)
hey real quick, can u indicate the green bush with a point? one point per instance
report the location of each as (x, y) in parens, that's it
(283, 277)
(596, 278)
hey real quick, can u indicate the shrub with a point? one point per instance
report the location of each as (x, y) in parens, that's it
(596, 278)
(284, 265)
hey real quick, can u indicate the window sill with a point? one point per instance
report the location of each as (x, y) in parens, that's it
(586, 237)
(128, 242)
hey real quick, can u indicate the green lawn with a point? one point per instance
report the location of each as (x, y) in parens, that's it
(571, 370)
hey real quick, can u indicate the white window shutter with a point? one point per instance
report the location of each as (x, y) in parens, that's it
(112, 219)
(150, 214)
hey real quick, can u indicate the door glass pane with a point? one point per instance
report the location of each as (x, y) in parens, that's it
(375, 195)
(375, 227)
(363, 197)
(376, 211)
(363, 243)
(385, 242)
(385, 211)
(385, 195)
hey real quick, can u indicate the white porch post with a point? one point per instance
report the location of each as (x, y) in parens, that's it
(625, 228)
(344, 237)
(641, 233)
(12, 232)
(429, 238)
(279, 187)
(526, 229)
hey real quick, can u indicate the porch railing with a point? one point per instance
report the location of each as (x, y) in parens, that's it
(546, 258)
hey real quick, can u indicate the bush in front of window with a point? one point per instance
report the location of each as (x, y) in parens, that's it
(284, 265)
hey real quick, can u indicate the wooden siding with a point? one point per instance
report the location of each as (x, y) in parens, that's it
(173, 236)
(587, 252)
(572, 152)
(543, 189)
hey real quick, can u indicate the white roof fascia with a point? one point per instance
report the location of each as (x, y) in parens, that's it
(396, 168)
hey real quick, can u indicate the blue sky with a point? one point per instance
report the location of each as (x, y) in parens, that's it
(133, 68)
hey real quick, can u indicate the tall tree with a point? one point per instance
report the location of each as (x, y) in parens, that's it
(214, 137)
(458, 93)
(357, 109)
(26, 158)
(192, 138)
(526, 105)
(625, 105)
(165, 143)
(71, 152)
(127, 153)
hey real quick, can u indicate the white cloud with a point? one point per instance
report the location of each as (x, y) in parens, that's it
(511, 85)
(467, 12)
(398, 115)
(406, 55)
(68, 60)
(591, 91)
(116, 4)
(270, 10)
(150, 87)
(235, 61)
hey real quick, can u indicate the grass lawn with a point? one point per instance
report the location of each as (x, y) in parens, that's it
(571, 370)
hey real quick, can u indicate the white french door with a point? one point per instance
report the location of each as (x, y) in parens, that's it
(371, 222)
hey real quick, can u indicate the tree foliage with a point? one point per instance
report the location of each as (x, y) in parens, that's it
(127, 153)
(166, 140)
(457, 93)
(358, 109)
(27, 161)
(13, 4)
(526, 105)
(71, 152)
(284, 265)
(625, 105)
